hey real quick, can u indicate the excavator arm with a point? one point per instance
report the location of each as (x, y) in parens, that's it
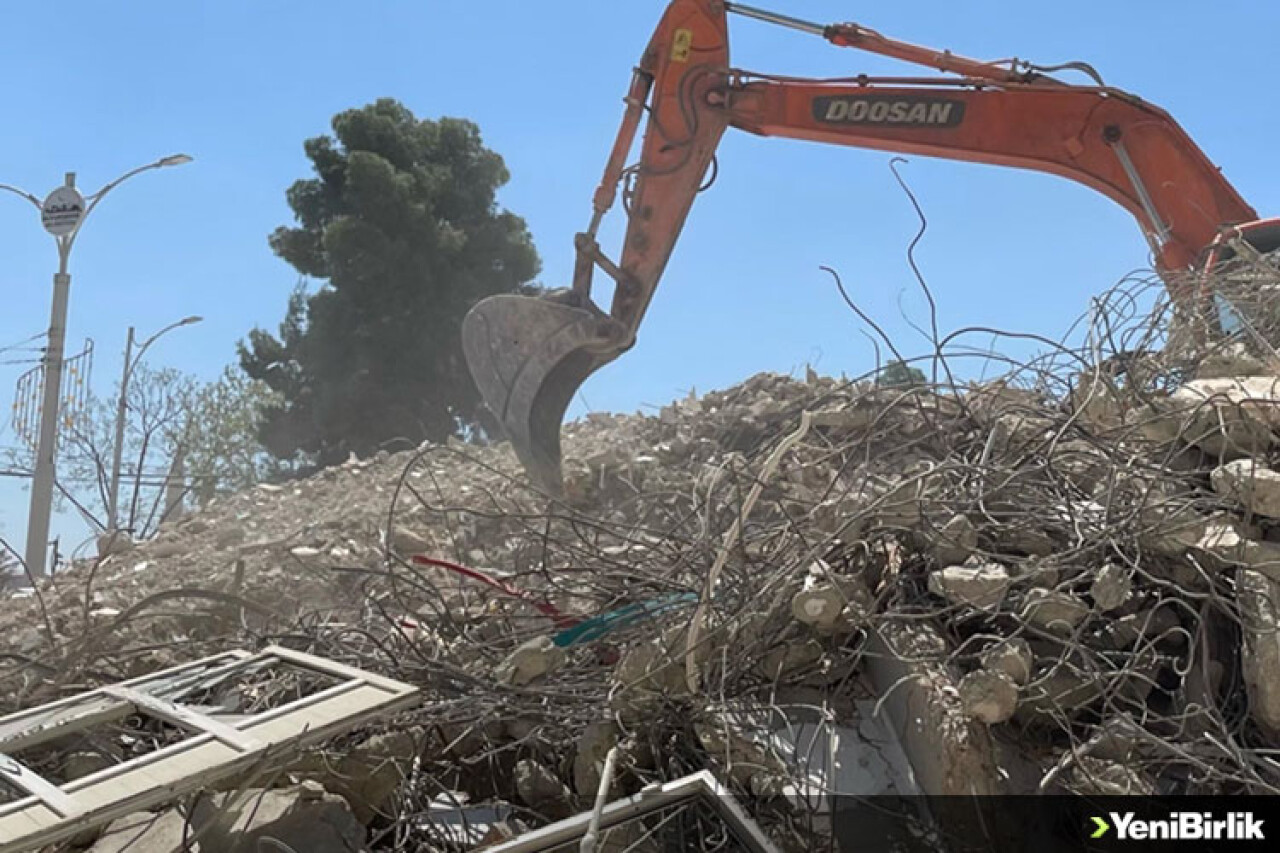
(530, 355)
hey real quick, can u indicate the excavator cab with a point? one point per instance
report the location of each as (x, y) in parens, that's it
(1241, 275)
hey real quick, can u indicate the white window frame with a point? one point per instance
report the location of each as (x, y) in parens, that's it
(217, 748)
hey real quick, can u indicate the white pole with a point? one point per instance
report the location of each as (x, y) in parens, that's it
(46, 450)
(175, 486)
(117, 449)
(130, 362)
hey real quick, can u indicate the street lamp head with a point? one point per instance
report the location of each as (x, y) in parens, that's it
(187, 321)
(174, 160)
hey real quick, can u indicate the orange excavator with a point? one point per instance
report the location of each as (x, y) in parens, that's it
(529, 355)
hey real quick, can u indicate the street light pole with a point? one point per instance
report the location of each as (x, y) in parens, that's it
(63, 213)
(122, 405)
(117, 448)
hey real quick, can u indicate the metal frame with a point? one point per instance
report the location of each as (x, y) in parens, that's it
(700, 786)
(218, 747)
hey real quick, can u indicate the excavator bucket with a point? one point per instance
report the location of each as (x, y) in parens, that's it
(528, 356)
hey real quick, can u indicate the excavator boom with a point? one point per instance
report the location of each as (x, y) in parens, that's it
(530, 355)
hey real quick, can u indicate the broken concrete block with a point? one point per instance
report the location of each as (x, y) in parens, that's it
(302, 817)
(169, 547)
(988, 696)
(955, 541)
(1111, 587)
(143, 832)
(1259, 599)
(1053, 610)
(948, 751)
(1045, 574)
(1115, 739)
(830, 603)
(1124, 632)
(1249, 483)
(532, 660)
(819, 605)
(118, 542)
(845, 517)
(983, 587)
(1097, 401)
(1058, 690)
(588, 761)
(369, 775)
(737, 736)
(788, 658)
(1225, 542)
(541, 789)
(647, 673)
(1012, 658)
(1230, 416)
(1171, 528)
(405, 541)
(1231, 359)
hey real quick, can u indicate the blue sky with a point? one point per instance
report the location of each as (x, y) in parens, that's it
(99, 88)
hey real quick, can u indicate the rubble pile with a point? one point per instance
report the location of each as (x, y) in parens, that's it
(1065, 580)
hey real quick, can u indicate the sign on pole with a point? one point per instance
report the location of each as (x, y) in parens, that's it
(62, 211)
(72, 408)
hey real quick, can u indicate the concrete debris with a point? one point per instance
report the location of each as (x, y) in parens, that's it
(1012, 658)
(1058, 690)
(955, 541)
(791, 658)
(1230, 360)
(831, 604)
(1228, 417)
(531, 661)
(371, 773)
(145, 832)
(983, 586)
(406, 541)
(1252, 485)
(1117, 739)
(541, 789)
(1260, 608)
(648, 675)
(588, 761)
(112, 544)
(1023, 586)
(1054, 611)
(1111, 587)
(988, 696)
(738, 738)
(1226, 543)
(303, 817)
(820, 606)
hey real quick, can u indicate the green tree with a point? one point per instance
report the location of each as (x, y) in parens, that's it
(899, 374)
(402, 225)
(221, 451)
